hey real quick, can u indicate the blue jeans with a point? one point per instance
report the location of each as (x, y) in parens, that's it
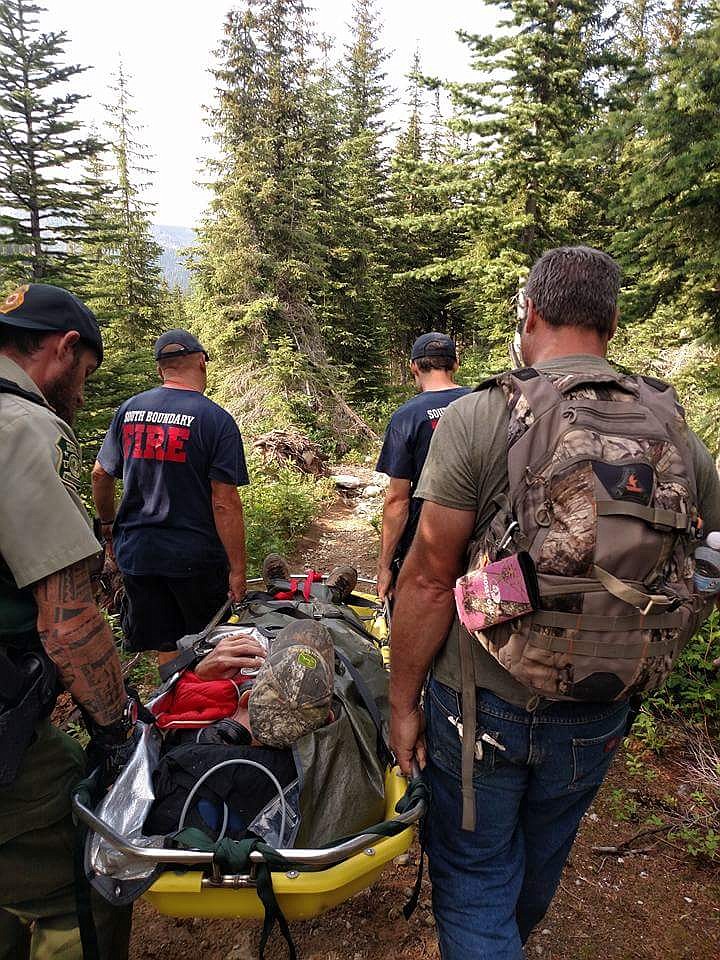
(492, 886)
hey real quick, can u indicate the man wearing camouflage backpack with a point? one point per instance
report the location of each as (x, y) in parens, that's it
(594, 475)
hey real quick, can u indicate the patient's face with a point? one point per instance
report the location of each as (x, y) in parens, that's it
(242, 715)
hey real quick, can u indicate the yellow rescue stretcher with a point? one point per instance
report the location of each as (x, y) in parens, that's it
(319, 879)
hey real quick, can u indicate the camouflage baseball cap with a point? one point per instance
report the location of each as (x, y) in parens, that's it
(294, 687)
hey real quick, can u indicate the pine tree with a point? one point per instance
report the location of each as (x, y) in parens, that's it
(177, 310)
(259, 264)
(42, 204)
(122, 278)
(325, 137)
(357, 268)
(100, 251)
(128, 282)
(416, 237)
(544, 78)
(438, 129)
(667, 234)
(410, 144)
(365, 90)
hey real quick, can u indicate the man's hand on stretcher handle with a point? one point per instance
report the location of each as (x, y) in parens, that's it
(407, 738)
(230, 656)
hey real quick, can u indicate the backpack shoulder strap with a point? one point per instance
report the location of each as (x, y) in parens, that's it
(662, 398)
(521, 373)
(9, 386)
(656, 384)
(539, 391)
(658, 394)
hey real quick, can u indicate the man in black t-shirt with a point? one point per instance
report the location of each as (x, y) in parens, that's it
(433, 362)
(179, 535)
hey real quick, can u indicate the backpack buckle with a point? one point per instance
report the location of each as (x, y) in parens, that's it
(508, 535)
(665, 603)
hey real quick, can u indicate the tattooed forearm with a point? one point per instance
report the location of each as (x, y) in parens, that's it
(79, 642)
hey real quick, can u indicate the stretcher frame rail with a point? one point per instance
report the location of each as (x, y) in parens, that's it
(311, 858)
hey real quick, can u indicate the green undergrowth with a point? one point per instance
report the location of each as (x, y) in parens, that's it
(692, 692)
(279, 506)
(682, 721)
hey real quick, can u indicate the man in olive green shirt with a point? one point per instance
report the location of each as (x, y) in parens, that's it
(538, 762)
(467, 470)
(50, 626)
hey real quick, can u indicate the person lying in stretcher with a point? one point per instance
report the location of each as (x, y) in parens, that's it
(291, 695)
(243, 703)
(238, 694)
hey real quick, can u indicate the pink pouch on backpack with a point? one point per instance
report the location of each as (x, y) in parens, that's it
(495, 592)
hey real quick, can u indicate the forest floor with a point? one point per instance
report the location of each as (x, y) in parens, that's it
(658, 903)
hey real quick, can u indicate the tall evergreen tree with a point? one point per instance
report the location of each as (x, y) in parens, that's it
(417, 236)
(259, 263)
(325, 137)
(42, 203)
(357, 267)
(260, 271)
(125, 283)
(545, 75)
(669, 233)
(410, 144)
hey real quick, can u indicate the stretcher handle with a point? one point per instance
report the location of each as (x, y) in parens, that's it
(324, 857)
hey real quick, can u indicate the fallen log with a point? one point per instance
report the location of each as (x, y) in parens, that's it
(291, 448)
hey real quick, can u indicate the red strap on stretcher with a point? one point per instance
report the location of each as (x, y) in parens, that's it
(311, 577)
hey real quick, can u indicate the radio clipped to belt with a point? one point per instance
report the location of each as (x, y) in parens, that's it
(28, 690)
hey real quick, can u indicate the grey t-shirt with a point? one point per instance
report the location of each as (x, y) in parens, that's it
(466, 469)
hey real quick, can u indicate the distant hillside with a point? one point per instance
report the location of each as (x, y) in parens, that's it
(173, 240)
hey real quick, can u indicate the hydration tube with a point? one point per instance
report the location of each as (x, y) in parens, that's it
(230, 763)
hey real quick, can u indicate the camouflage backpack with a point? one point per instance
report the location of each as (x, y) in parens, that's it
(602, 493)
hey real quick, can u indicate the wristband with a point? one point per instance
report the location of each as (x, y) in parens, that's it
(118, 732)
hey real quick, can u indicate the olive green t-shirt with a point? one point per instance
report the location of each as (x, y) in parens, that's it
(466, 469)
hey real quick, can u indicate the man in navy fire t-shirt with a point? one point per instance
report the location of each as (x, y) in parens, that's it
(433, 362)
(179, 536)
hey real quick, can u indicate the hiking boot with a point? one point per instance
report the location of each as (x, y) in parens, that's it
(275, 567)
(342, 581)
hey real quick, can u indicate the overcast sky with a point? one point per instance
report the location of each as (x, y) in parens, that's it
(166, 46)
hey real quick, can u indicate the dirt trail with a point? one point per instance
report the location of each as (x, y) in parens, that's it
(341, 535)
(658, 905)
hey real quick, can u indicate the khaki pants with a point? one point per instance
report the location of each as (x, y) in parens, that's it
(38, 917)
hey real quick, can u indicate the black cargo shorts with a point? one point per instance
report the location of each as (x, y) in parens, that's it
(157, 611)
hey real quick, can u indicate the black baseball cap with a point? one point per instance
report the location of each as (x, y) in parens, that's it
(434, 344)
(40, 306)
(183, 344)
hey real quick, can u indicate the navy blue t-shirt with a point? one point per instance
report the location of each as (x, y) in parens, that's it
(168, 445)
(406, 444)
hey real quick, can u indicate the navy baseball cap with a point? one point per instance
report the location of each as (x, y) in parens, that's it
(182, 342)
(434, 344)
(42, 307)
